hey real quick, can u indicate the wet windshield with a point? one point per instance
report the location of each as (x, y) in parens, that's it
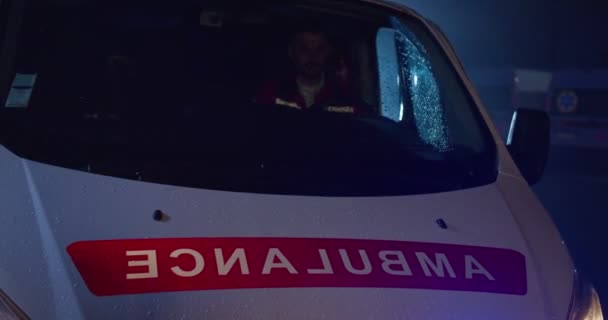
(281, 97)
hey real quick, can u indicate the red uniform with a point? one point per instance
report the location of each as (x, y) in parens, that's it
(332, 96)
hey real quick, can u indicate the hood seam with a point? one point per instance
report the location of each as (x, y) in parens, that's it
(63, 294)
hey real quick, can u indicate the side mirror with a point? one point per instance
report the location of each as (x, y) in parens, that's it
(528, 142)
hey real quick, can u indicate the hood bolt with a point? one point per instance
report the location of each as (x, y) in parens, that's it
(159, 216)
(441, 223)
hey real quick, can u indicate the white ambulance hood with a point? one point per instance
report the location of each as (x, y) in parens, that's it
(47, 211)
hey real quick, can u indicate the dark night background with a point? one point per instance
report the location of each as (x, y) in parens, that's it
(546, 35)
(524, 33)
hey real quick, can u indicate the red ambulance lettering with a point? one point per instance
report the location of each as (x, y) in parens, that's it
(327, 268)
(270, 263)
(150, 263)
(398, 260)
(115, 267)
(438, 265)
(472, 267)
(365, 269)
(199, 263)
(224, 267)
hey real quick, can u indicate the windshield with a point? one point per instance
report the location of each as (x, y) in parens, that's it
(280, 97)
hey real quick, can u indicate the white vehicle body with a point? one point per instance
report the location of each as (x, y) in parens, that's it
(232, 255)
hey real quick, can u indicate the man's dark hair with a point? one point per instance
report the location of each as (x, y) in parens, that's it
(307, 27)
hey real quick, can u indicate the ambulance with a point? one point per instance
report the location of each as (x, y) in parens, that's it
(140, 180)
(573, 98)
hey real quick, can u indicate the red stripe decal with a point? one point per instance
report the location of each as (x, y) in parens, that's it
(113, 267)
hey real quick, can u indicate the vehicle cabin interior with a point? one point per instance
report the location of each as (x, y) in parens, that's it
(115, 59)
(165, 92)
